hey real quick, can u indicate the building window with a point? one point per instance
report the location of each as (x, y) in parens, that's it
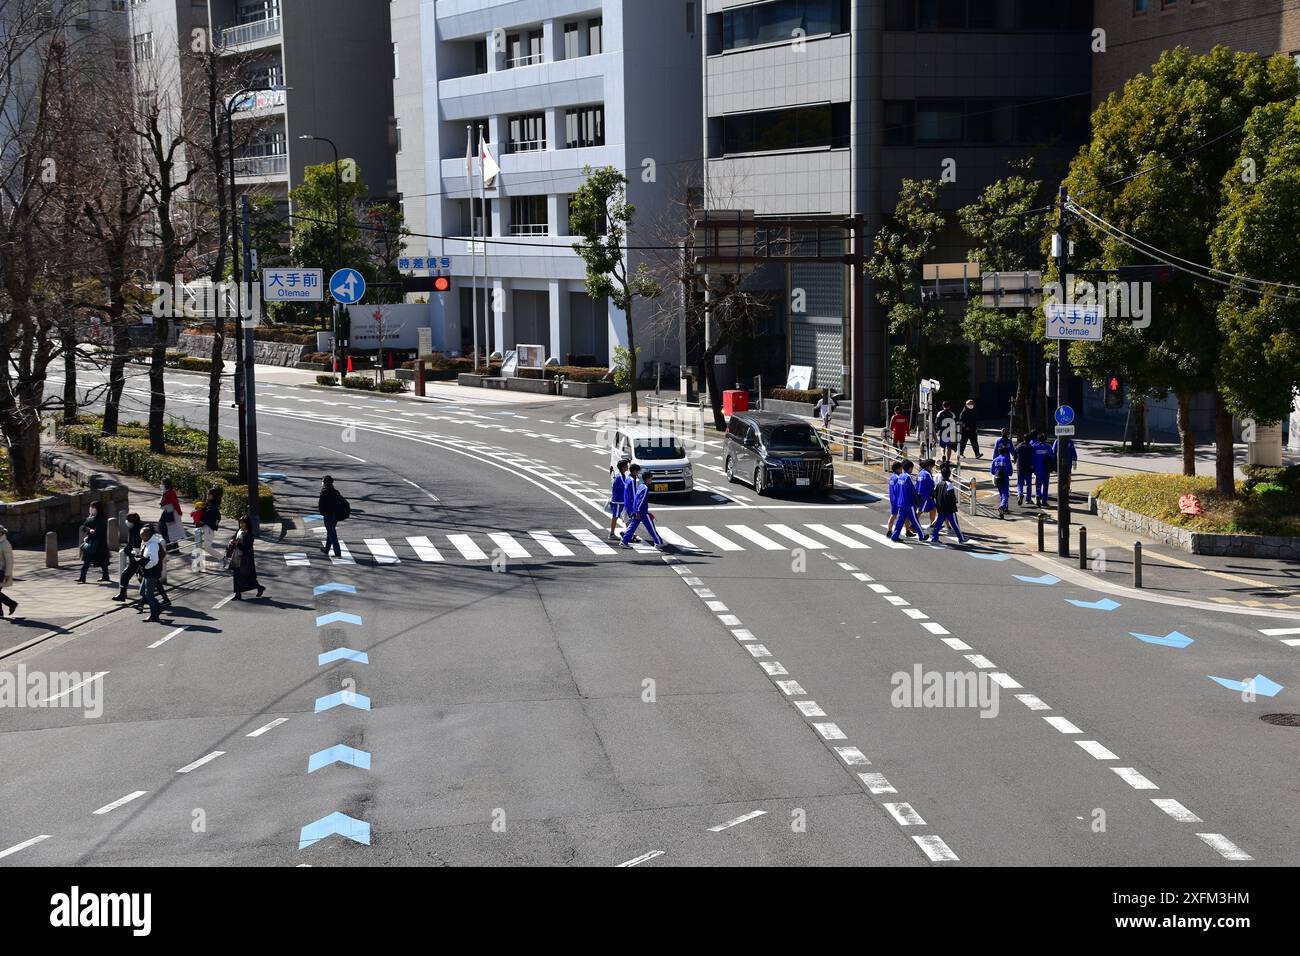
(527, 133)
(584, 126)
(524, 49)
(397, 135)
(475, 219)
(572, 50)
(802, 127)
(397, 64)
(898, 122)
(595, 36)
(257, 11)
(1139, 6)
(480, 56)
(143, 47)
(528, 216)
(783, 20)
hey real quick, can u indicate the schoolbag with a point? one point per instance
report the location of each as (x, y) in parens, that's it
(947, 498)
(344, 510)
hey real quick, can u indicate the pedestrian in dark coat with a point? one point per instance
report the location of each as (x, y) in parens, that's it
(332, 509)
(131, 553)
(6, 571)
(94, 547)
(969, 422)
(243, 564)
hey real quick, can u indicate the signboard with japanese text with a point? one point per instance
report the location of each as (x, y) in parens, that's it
(1073, 322)
(293, 285)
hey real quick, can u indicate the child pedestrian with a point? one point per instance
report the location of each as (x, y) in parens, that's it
(1025, 470)
(925, 492)
(946, 494)
(1042, 468)
(617, 492)
(907, 505)
(638, 506)
(1001, 472)
(895, 477)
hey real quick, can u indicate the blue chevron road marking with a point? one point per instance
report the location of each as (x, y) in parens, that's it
(1105, 604)
(344, 698)
(337, 617)
(343, 654)
(1045, 579)
(1172, 639)
(989, 555)
(338, 754)
(1261, 685)
(333, 586)
(357, 831)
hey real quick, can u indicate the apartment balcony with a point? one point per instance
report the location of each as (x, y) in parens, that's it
(521, 172)
(262, 168)
(251, 36)
(260, 104)
(527, 90)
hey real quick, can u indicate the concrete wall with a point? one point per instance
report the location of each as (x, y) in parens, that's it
(28, 521)
(265, 353)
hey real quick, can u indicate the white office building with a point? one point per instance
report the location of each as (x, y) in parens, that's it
(558, 85)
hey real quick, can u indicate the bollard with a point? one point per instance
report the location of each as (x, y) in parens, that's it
(113, 536)
(1041, 519)
(51, 549)
(973, 491)
(1083, 548)
(1137, 564)
(419, 377)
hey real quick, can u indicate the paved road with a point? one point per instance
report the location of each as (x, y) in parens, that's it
(529, 695)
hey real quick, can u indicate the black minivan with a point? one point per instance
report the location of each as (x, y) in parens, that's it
(776, 451)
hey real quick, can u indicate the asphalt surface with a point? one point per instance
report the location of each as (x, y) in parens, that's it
(528, 697)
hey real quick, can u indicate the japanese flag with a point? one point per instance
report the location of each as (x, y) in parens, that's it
(490, 167)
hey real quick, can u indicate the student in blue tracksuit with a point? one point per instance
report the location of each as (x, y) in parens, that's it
(946, 496)
(1069, 447)
(1025, 470)
(896, 475)
(1042, 468)
(907, 504)
(638, 508)
(1004, 445)
(925, 491)
(1001, 472)
(617, 495)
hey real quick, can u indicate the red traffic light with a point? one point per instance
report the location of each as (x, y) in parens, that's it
(441, 284)
(1113, 384)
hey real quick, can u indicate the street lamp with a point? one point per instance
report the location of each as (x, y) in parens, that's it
(338, 239)
(244, 352)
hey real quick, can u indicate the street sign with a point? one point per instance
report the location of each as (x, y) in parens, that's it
(293, 285)
(1065, 415)
(425, 336)
(1073, 322)
(1064, 430)
(347, 286)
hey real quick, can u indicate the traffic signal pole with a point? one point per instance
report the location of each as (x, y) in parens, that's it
(1062, 379)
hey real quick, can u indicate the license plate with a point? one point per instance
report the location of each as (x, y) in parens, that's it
(803, 482)
(659, 488)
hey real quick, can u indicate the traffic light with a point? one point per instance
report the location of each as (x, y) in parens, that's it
(344, 326)
(1114, 391)
(441, 284)
(1158, 275)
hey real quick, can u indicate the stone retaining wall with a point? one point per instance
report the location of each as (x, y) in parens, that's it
(1200, 542)
(265, 353)
(28, 521)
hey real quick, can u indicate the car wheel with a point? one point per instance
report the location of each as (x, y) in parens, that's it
(760, 486)
(730, 469)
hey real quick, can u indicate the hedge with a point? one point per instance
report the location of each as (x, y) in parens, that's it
(808, 395)
(327, 379)
(128, 452)
(392, 385)
(1260, 507)
(575, 373)
(360, 382)
(195, 364)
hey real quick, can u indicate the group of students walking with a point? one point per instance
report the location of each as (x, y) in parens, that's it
(926, 494)
(1033, 461)
(629, 499)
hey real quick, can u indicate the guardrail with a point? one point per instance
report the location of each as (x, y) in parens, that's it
(275, 165)
(250, 32)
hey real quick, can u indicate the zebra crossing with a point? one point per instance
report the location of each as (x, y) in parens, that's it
(583, 542)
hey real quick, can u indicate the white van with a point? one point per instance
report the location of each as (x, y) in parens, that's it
(658, 451)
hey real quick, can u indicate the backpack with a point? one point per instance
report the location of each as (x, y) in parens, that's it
(344, 510)
(947, 493)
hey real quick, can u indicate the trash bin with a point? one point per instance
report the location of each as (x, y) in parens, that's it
(734, 400)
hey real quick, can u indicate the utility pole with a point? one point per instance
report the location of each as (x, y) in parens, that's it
(250, 399)
(1061, 247)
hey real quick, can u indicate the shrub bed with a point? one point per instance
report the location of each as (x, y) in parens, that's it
(1268, 502)
(190, 364)
(807, 395)
(183, 463)
(327, 380)
(391, 386)
(359, 382)
(574, 373)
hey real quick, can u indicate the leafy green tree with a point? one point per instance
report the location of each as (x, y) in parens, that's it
(601, 216)
(1154, 168)
(900, 248)
(1006, 237)
(1259, 368)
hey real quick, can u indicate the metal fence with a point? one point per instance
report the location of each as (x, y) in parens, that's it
(250, 32)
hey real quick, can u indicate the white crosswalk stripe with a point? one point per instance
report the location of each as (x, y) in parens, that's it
(424, 549)
(876, 536)
(381, 551)
(835, 536)
(802, 540)
(551, 544)
(711, 536)
(508, 545)
(591, 542)
(673, 538)
(466, 546)
(345, 556)
(762, 540)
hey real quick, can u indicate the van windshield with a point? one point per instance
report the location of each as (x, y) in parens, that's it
(793, 437)
(659, 449)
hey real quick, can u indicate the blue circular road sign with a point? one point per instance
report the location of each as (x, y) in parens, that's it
(347, 286)
(1064, 415)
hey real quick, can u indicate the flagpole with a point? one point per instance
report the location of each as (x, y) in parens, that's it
(487, 291)
(473, 256)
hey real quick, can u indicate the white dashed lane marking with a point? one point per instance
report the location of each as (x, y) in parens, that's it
(741, 819)
(120, 802)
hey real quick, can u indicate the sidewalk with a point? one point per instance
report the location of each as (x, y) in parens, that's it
(51, 602)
